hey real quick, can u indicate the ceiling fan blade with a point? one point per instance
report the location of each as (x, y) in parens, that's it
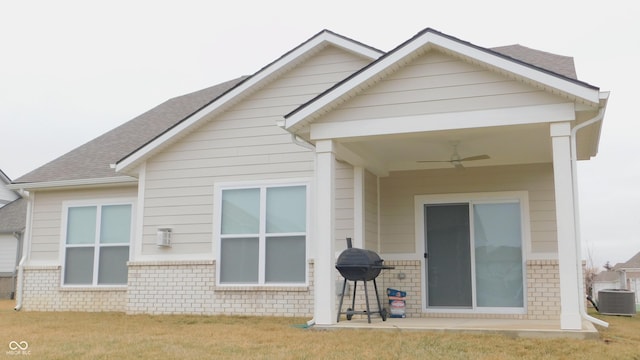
(477, 157)
(434, 161)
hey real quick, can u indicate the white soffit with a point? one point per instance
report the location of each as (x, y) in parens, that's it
(300, 53)
(303, 115)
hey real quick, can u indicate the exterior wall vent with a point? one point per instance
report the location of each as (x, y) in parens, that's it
(163, 237)
(616, 302)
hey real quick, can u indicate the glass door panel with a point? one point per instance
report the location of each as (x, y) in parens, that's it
(448, 256)
(498, 255)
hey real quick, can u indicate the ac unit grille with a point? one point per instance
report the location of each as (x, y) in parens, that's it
(616, 302)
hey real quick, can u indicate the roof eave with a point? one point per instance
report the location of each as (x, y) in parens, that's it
(75, 183)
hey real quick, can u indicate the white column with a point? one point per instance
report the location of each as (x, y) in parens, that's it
(570, 296)
(324, 265)
(358, 207)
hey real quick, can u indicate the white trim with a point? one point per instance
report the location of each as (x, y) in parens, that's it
(325, 273)
(262, 185)
(114, 180)
(98, 203)
(139, 228)
(522, 197)
(255, 81)
(358, 207)
(424, 42)
(444, 121)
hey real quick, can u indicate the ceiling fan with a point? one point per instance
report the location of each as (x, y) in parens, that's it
(455, 158)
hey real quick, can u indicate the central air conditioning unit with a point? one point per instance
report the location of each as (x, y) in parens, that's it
(617, 302)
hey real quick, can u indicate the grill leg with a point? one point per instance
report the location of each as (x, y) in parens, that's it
(344, 287)
(366, 297)
(378, 299)
(353, 299)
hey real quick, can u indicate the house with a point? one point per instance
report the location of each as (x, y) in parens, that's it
(12, 224)
(455, 162)
(6, 195)
(622, 276)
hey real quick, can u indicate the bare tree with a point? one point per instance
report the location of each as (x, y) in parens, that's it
(590, 273)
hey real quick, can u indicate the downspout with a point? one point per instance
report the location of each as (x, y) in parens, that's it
(301, 142)
(574, 175)
(26, 248)
(18, 236)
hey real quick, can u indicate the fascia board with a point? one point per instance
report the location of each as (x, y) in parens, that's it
(317, 42)
(433, 39)
(116, 180)
(443, 121)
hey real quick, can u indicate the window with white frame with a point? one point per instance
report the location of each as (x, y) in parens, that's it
(96, 248)
(263, 232)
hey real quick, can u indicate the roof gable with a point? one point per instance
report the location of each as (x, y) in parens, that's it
(506, 60)
(243, 89)
(92, 160)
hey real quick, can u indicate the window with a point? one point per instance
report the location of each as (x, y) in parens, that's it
(96, 247)
(263, 233)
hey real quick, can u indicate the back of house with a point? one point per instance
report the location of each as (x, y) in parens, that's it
(451, 160)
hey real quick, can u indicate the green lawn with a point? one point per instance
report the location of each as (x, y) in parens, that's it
(68, 335)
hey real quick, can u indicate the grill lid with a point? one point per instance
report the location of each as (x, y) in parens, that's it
(359, 264)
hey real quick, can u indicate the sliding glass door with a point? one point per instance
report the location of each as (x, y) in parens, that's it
(473, 255)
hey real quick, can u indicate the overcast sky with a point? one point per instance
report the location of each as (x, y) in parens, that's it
(71, 70)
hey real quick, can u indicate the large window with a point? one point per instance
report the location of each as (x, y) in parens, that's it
(97, 244)
(263, 233)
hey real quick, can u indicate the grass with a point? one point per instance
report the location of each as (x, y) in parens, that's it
(66, 335)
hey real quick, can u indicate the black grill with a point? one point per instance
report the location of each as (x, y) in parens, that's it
(360, 265)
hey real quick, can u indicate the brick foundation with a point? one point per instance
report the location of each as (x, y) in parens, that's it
(543, 294)
(188, 287)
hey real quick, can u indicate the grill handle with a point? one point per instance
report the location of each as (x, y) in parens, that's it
(349, 245)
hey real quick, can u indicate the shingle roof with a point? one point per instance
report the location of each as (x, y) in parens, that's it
(13, 216)
(93, 159)
(633, 263)
(562, 65)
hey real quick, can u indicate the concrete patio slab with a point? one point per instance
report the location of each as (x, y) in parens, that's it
(507, 327)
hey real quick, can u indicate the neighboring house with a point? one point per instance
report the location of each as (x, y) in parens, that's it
(6, 195)
(12, 224)
(622, 276)
(238, 198)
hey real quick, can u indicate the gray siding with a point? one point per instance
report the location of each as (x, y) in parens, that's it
(47, 211)
(370, 211)
(241, 144)
(437, 83)
(399, 189)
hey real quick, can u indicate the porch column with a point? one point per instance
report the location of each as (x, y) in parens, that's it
(570, 296)
(324, 265)
(358, 207)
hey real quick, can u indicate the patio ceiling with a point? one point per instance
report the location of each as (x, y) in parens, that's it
(505, 145)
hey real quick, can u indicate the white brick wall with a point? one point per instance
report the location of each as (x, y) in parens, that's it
(188, 287)
(42, 292)
(543, 279)
(543, 295)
